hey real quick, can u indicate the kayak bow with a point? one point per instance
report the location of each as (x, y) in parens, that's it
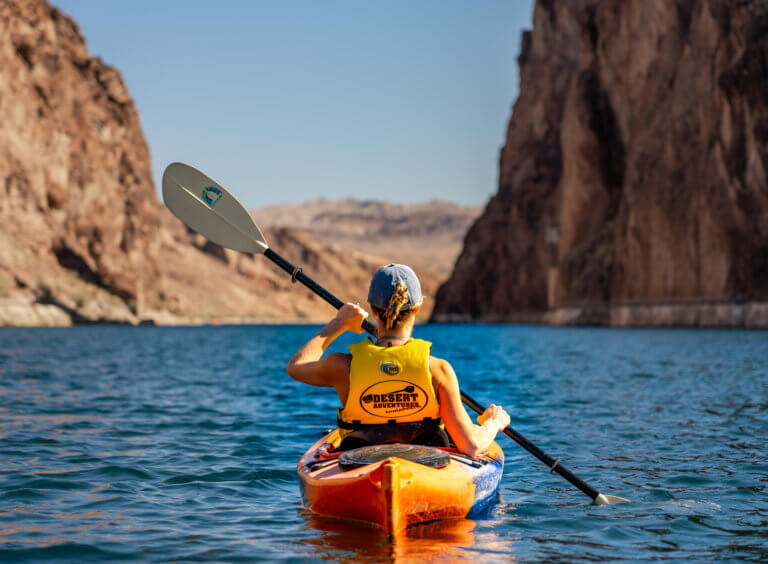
(395, 493)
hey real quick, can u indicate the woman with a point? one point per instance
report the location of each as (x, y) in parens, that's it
(393, 389)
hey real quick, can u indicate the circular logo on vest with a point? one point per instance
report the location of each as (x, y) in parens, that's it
(393, 398)
(390, 368)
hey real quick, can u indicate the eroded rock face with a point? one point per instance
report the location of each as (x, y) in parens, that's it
(75, 187)
(639, 146)
(83, 236)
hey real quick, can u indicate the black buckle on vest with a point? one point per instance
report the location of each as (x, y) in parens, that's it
(356, 425)
(349, 425)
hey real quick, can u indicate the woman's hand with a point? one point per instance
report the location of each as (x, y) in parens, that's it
(350, 318)
(496, 415)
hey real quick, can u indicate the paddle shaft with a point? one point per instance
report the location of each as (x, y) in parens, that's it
(299, 276)
(551, 463)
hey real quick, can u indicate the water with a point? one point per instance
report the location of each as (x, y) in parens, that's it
(180, 444)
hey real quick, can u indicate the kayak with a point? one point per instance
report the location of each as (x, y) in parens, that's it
(395, 485)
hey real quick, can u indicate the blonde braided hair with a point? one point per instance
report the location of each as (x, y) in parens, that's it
(395, 305)
(394, 316)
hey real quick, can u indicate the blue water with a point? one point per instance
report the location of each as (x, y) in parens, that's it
(180, 444)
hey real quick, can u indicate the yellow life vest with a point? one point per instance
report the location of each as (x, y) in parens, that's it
(389, 385)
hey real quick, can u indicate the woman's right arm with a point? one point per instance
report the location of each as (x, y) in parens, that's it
(473, 440)
(308, 364)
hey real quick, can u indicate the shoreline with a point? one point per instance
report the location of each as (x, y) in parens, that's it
(704, 314)
(711, 314)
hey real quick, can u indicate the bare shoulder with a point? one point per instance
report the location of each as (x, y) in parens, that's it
(339, 361)
(437, 364)
(336, 369)
(340, 357)
(442, 372)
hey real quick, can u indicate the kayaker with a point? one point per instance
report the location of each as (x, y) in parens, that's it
(392, 389)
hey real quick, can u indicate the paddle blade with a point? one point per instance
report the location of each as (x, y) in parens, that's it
(205, 206)
(605, 499)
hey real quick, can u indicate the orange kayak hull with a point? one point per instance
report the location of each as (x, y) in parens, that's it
(395, 493)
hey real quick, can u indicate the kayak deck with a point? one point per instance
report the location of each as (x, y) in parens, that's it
(395, 493)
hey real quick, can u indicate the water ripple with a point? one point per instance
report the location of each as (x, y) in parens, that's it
(149, 444)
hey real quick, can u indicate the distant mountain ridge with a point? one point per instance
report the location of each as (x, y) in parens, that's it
(373, 217)
(427, 235)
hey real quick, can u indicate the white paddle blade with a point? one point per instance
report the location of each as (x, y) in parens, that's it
(605, 499)
(206, 206)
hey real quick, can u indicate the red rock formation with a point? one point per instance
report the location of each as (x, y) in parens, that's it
(76, 187)
(83, 237)
(641, 137)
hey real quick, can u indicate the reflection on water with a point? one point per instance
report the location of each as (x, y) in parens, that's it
(180, 444)
(364, 543)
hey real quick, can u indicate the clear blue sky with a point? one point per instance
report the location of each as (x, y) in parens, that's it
(289, 100)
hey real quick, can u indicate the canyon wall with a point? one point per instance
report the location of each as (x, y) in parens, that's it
(83, 238)
(632, 183)
(77, 205)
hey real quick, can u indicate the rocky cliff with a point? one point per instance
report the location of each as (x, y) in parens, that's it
(632, 184)
(83, 237)
(78, 208)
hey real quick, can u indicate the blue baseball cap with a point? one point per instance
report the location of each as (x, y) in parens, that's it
(385, 281)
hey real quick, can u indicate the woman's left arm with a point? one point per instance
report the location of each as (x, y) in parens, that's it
(471, 439)
(308, 364)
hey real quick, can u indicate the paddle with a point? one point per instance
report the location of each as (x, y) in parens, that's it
(207, 207)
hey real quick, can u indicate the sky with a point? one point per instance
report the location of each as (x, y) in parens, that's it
(291, 100)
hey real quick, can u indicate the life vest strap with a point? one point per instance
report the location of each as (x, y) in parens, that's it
(356, 425)
(429, 432)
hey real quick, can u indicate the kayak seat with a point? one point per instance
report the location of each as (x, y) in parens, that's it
(428, 456)
(418, 433)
